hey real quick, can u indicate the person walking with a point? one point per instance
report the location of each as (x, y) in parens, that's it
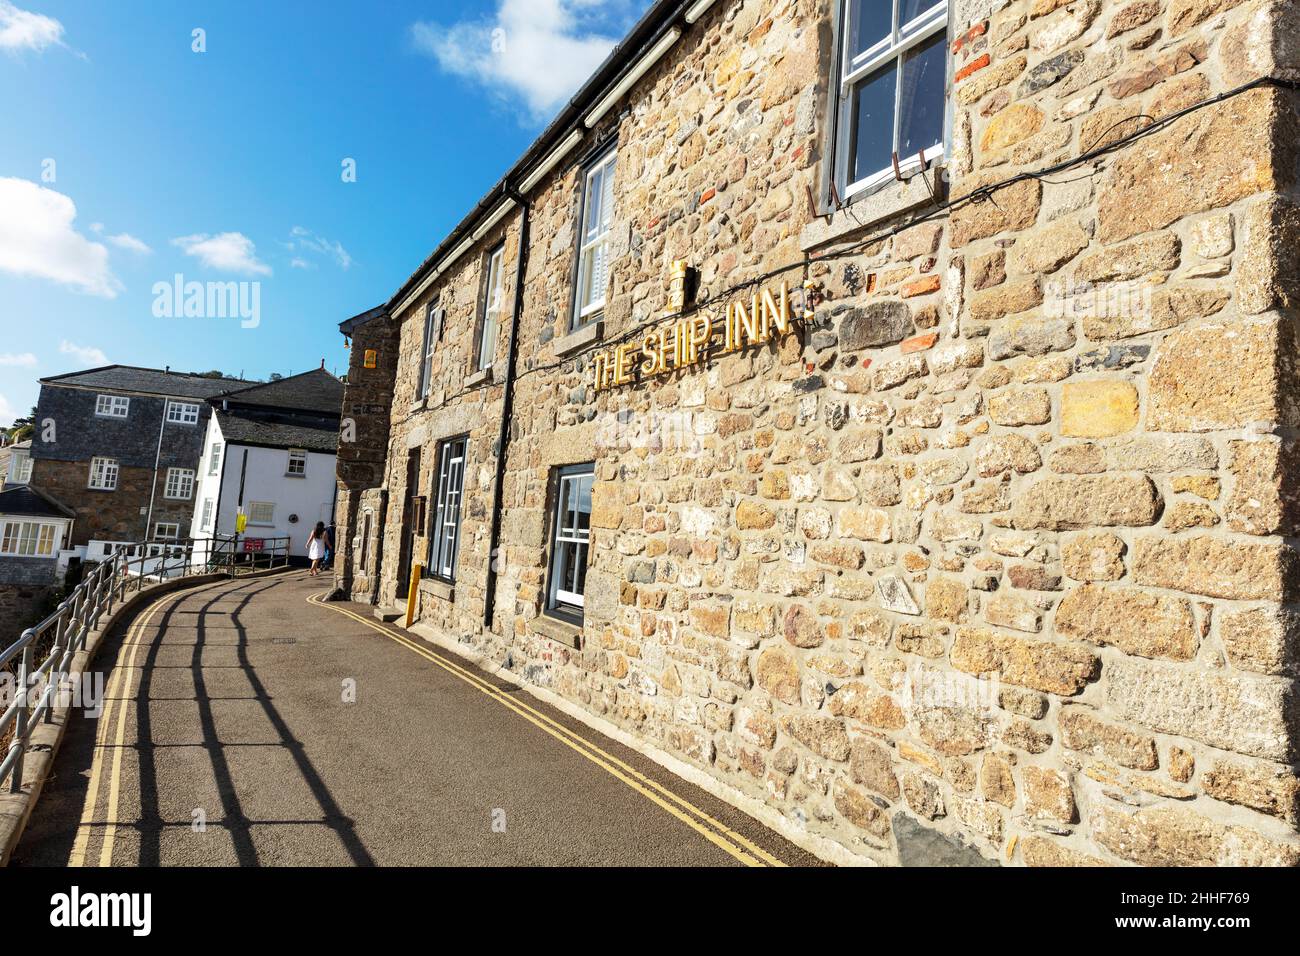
(317, 545)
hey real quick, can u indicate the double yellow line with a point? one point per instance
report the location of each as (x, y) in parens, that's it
(119, 693)
(712, 830)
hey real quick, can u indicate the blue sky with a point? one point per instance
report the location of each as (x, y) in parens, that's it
(126, 157)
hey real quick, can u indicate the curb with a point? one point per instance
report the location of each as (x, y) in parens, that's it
(43, 745)
(819, 846)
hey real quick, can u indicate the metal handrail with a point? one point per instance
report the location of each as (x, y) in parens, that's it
(67, 630)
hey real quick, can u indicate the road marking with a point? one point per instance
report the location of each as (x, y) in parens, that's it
(111, 695)
(713, 830)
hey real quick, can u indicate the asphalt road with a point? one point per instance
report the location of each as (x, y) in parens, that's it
(226, 740)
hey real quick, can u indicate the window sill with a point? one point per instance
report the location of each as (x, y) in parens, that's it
(579, 339)
(439, 589)
(557, 630)
(482, 377)
(299, 477)
(867, 210)
(106, 491)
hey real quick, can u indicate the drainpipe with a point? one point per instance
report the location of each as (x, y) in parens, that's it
(507, 405)
(157, 458)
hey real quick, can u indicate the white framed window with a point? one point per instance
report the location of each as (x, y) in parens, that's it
(426, 350)
(494, 294)
(571, 540)
(22, 468)
(214, 459)
(112, 406)
(593, 239)
(166, 531)
(182, 413)
(103, 474)
(205, 520)
(261, 512)
(29, 539)
(180, 484)
(446, 517)
(297, 467)
(892, 90)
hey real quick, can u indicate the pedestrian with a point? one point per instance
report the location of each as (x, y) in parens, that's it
(317, 545)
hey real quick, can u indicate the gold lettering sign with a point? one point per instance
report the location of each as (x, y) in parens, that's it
(687, 342)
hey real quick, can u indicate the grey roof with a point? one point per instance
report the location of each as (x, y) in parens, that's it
(267, 428)
(348, 326)
(314, 391)
(28, 502)
(148, 381)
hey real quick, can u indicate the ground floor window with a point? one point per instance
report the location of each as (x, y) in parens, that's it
(167, 530)
(208, 507)
(28, 539)
(261, 512)
(103, 474)
(446, 519)
(571, 540)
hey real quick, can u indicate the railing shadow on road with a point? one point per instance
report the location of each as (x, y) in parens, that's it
(234, 820)
(151, 824)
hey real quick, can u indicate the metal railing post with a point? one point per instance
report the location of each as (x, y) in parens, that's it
(20, 726)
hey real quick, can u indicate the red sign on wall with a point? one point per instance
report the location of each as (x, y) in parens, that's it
(254, 545)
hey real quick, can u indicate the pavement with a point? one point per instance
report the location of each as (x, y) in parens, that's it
(247, 724)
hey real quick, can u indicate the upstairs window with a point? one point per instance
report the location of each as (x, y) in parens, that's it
(430, 342)
(205, 522)
(493, 304)
(180, 484)
(112, 406)
(182, 413)
(103, 474)
(571, 540)
(892, 90)
(446, 519)
(297, 463)
(22, 468)
(214, 460)
(593, 249)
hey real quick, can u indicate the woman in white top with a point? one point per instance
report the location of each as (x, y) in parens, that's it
(316, 546)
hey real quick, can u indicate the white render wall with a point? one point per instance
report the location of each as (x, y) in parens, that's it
(264, 478)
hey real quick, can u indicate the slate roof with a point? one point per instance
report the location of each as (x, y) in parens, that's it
(28, 502)
(314, 391)
(148, 381)
(266, 428)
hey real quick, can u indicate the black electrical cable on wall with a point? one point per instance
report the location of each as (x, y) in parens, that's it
(940, 209)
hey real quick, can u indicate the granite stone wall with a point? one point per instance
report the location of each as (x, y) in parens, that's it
(993, 551)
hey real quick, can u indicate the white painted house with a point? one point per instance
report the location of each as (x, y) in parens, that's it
(269, 454)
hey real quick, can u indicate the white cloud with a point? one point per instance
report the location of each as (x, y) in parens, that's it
(18, 360)
(24, 30)
(297, 263)
(305, 241)
(87, 355)
(7, 412)
(226, 251)
(538, 50)
(37, 239)
(124, 240)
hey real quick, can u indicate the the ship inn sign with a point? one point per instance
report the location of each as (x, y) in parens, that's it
(689, 341)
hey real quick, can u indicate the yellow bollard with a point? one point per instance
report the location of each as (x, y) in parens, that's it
(412, 593)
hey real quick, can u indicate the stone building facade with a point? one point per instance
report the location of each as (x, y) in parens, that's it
(146, 423)
(985, 554)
